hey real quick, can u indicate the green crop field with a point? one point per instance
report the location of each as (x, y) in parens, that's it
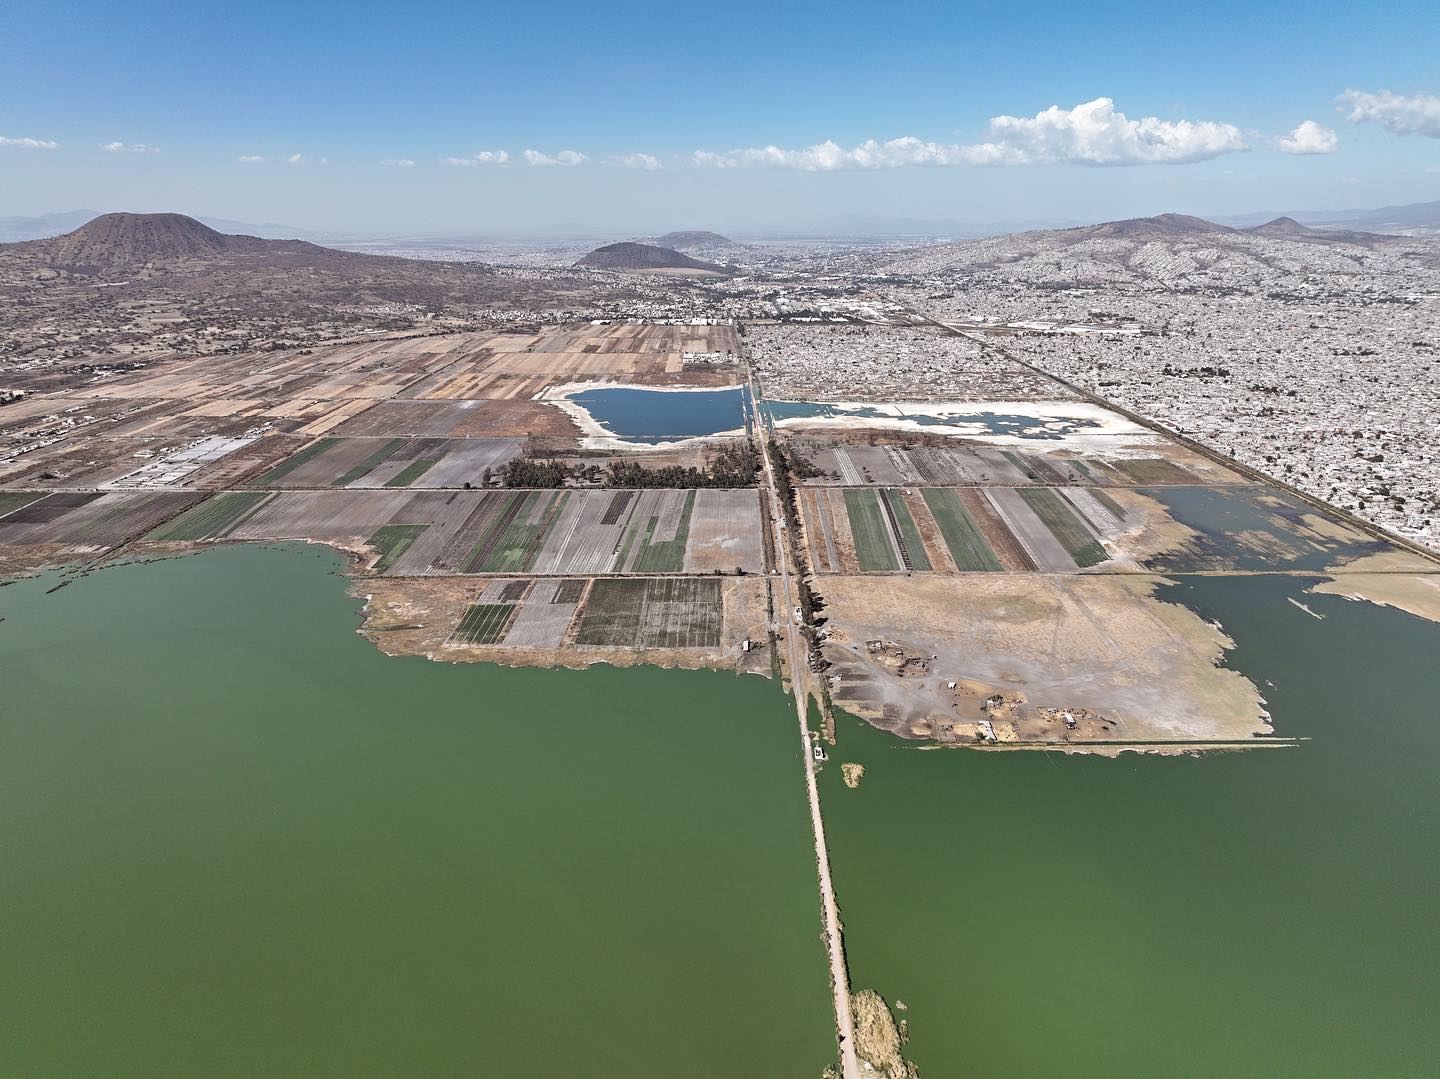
(667, 556)
(520, 542)
(871, 530)
(484, 623)
(1108, 502)
(494, 530)
(392, 541)
(375, 460)
(410, 473)
(209, 520)
(913, 543)
(1149, 471)
(1060, 519)
(290, 464)
(966, 542)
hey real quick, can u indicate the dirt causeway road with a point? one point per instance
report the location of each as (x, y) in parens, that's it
(799, 668)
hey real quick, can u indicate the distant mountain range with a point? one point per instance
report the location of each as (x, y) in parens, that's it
(1416, 218)
(1422, 218)
(1185, 227)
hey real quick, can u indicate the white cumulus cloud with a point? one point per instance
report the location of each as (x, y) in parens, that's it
(648, 162)
(118, 147)
(29, 144)
(296, 159)
(1308, 138)
(398, 162)
(251, 159)
(1096, 133)
(1417, 114)
(483, 157)
(1093, 133)
(564, 157)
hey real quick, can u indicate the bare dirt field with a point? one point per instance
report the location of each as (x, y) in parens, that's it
(1101, 651)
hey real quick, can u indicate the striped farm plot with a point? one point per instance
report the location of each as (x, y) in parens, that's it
(876, 548)
(211, 519)
(519, 613)
(652, 612)
(397, 461)
(88, 519)
(963, 536)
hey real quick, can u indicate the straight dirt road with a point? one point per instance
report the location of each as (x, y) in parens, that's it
(796, 654)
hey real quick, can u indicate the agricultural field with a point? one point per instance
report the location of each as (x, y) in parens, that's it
(888, 459)
(966, 530)
(663, 612)
(92, 520)
(365, 461)
(573, 621)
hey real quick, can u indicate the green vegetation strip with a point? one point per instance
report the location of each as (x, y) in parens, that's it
(375, 460)
(290, 464)
(871, 531)
(966, 542)
(13, 500)
(211, 519)
(392, 541)
(667, 556)
(906, 523)
(410, 473)
(493, 531)
(484, 623)
(1108, 502)
(516, 548)
(1156, 470)
(1020, 463)
(1064, 525)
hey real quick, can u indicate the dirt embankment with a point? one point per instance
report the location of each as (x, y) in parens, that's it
(878, 1038)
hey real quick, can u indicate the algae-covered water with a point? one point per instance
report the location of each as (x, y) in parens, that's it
(1269, 913)
(238, 840)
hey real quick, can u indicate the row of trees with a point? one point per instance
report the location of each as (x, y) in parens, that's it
(728, 466)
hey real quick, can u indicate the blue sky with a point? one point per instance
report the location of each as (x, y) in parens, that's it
(1199, 96)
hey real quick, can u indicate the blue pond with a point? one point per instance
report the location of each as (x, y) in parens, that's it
(651, 416)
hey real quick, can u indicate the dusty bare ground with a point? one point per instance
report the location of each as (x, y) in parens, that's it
(1033, 659)
(1388, 579)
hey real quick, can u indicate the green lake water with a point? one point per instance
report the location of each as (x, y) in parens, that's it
(1270, 913)
(238, 840)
